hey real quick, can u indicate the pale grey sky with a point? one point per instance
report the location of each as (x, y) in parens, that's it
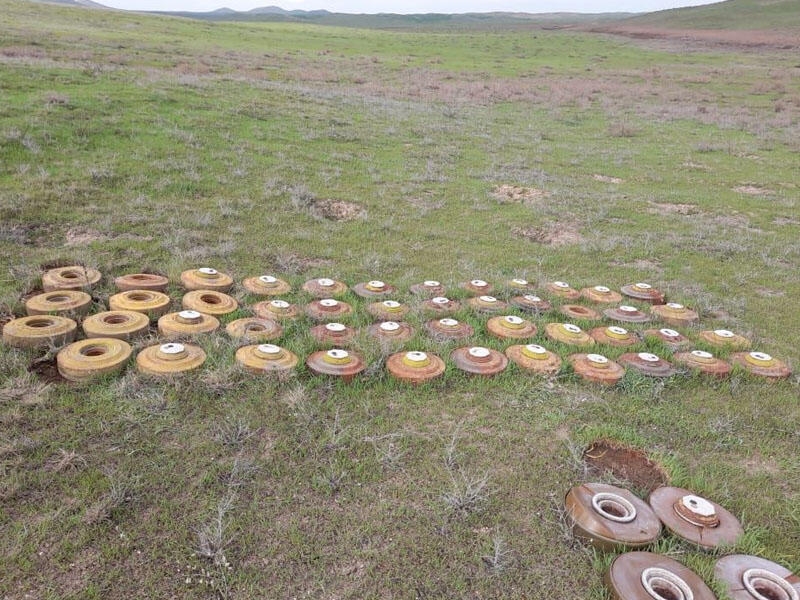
(413, 6)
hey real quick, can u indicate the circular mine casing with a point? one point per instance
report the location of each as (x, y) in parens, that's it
(626, 314)
(476, 287)
(596, 368)
(601, 295)
(675, 314)
(695, 519)
(153, 304)
(643, 292)
(276, 309)
(171, 358)
(723, 338)
(209, 302)
(519, 285)
(649, 576)
(324, 287)
(206, 278)
(448, 329)
(373, 289)
(266, 285)
(531, 303)
(534, 358)
(511, 327)
(478, 360)
(704, 362)
(669, 337)
(39, 331)
(569, 334)
(748, 577)
(75, 277)
(333, 334)
(563, 290)
(263, 359)
(610, 517)
(429, 288)
(119, 324)
(615, 336)
(186, 322)
(141, 281)
(60, 302)
(579, 312)
(254, 330)
(89, 359)
(328, 309)
(761, 364)
(647, 363)
(391, 331)
(387, 310)
(415, 367)
(439, 305)
(487, 304)
(336, 362)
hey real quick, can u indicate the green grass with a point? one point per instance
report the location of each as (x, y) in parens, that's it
(731, 14)
(130, 142)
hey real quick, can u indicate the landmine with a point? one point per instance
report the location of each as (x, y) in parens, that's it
(206, 278)
(563, 290)
(276, 309)
(428, 288)
(695, 519)
(567, 333)
(39, 331)
(186, 322)
(723, 338)
(647, 363)
(73, 277)
(324, 288)
(118, 324)
(141, 281)
(415, 367)
(579, 312)
(387, 310)
(534, 358)
(510, 327)
(373, 289)
(704, 362)
(761, 364)
(487, 305)
(596, 368)
(440, 305)
(448, 329)
(476, 287)
(171, 358)
(601, 295)
(531, 303)
(328, 309)
(610, 517)
(519, 285)
(648, 576)
(61, 302)
(615, 336)
(153, 304)
(644, 292)
(254, 330)
(337, 363)
(266, 285)
(89, 359)
(675, 314)
(626, 314)
(391, 331)
(669, 337)
(266, 359)
(478, 360)
(209, 302)
(748, 577)
(333, 334)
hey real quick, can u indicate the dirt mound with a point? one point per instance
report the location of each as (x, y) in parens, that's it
(606, 178)
(507, 194)
(79, 236)
(555, 234)
(337, 210)
(669, 208)
(624, 462)
(752, 190)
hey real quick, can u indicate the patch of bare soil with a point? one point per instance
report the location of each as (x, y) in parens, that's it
(553, 234)
(768, 293)
(507, 194)
(79, 236)
(752, 190)
(425, 204)
(785, 221)
(606, 178)
(46, 371)
(297, 263)
(648, 266)
(337, 210)
(668, 208)
(624, 462)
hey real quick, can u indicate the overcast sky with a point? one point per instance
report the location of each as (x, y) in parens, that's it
(413, 6)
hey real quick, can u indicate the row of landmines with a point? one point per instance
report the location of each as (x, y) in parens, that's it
(141, 297)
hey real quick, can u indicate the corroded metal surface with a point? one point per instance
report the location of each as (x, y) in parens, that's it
(511, 327)
(596, 368)
(206, 278)
(254, 330)
(567, 333)
(141, 281)
(388, 310)
(170, 359)
(669, 337)
(448, 329)
(186, 322)
(616, 336)
(266, 285)
(649, 576)
(391, 331)
(415, 367)
(704, 362)
(324, 287)
(337, 363)
(534, 358)
(478, 360)
(333, 334)
(519, 285)
(744, 576)
(601, 294)
(723, 338)
(531, 303)
(476, 287)
(579, 312)
(675, 314)
(118, 324)
(91, 358)
(373, 289)
(626, 314)
(761, 364)
(487, 304)
(644, 292)
(60, 302)
(266, 358)
(440, 305)
(153, 304)
(69, 278)
(563, 290)
(209, 302)
(276, 309)
(39, 331)
(429, 288)
(328, 309)
(647, 364)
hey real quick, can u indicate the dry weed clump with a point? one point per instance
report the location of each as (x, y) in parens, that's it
(337, 210)
(606, 178)
(752, 190)
(506, 194)
(670, 208)
(553, 234)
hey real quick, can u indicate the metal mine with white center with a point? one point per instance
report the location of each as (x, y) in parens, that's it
(704, 362)
(440, 305)
(519, 285)
(266, 358)
(209, 302)
(601, 294)
(616, 336)
(186, 322)
(391, 331)
(487, 304)
(206, 278)
(649, 576)
(39, 331)
(266, 285)
(761, 364)
(428, 288)
(171, 358)
(722, 338)
(579, 312)
(748, 577)
(510, 327)
(647, 364)
(88, 359)
(531, 303)
(596, 368)
(626, 314)
(563, 290)
(675, 314)
(153, 304)
(373, 289)
(61, 302)
(69, 278)
(669, 337)
(693, 518)
(610, 517)
(387, 310)
(569, 334)
(276, 309)
(643, 292)
(324, 288)
(118, 324)
(448, 329)
(534, 358)
(415, 367)
(254, 329)
(478, 360)
(477, 287)
(336, 362)
(328, 309)
(333, 334)
(141, 281)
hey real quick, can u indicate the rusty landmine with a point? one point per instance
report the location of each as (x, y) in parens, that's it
(567, 333)
(415, 367)
(142, 281)
(388, 310)
(531, 303)
(254, 330)
(519, 285)
(650, 576)
(624, 463)
(373, 289)
(448, 329)
(534, 358)
(391, 331)
(206, 278)
(333, 334)
(754, 578)
(596, 368)
(328, 309)
(647, 364)
(73, 277)
(440, 305)
(576, 311)
(324, 287)
(563, 290)
(510, 327)
(478, 360)
(626, 314)
(644, 292)
(476, 286)
(704, 362)
(722, 338)
(619, 337)
(276, 309)
(337, 363)
(675, 314)
(669, 337)
(601, 295)
(428, 288)
(487, 305)
(761, 364)
(266, 285)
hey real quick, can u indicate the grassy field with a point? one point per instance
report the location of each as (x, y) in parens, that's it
(132, 142)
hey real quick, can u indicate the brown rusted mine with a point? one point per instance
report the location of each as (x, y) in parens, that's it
(333, 334)
(478, 360)
(531, 303)
(69, 278)
(569, 334)
(391, 331)
(609, 517)
(448, 329)
(141, 281)
(328, 309)
(644, 292)
(626, 314)
(647, 363)
(415, 367)
(675, 314)
(262, 359)
(206, 278)
(695, 519)
(511, 327)
(373, 289)
(186, 322)
(534, 358)
(704, 362)
(440, 305)
(761, 364)
(601, 294)
(276, 309)
(563, 290)
(117, 324)
(170, 359)
(723, 338)
(429, 288)
(596, 368)
(266, 285)
(209, 302)
(336, 362)
(579, 312)
(388, 310)
(669, 337)
(748, 577)
(61, 302)
(153, 304)
(476, 287)
(325, 288)
(519, 285)
(39, 331)
(649, 576)
(487, 305)
(615, 336)
(254, 330)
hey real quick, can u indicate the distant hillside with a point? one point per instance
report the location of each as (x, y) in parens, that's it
(84, 3)
(731, 14)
